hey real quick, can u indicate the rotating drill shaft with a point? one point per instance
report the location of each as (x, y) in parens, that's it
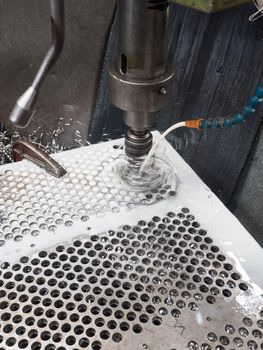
(140, 80)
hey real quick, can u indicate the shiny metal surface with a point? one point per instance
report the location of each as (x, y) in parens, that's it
(23, 111)
(24, 149)
(119, 287)
(159, 276)
(142, 120)
(57, 18)
(137, 143)
(142, 39)
(140, 80)
(139, 96)
(33, 202)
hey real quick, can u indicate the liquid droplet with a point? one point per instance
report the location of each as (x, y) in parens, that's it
(247, 321)
(169, 301)
(257, 334)
(212, 337)
(163, 311)
(193, 306)
(243, 332)
(176, 313)
(229, 329)
(156, 300)
(238, 342)
(252, 345)
(162, 290)
(206, 347)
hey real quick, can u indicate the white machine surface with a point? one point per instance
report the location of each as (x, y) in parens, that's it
(87, 262)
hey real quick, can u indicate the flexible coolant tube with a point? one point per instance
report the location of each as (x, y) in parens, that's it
(158, 141)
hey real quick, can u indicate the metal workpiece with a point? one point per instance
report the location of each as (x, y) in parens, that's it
(23, 109)
(129, 288)
(70, 199)
(88, 262)
(140, 80)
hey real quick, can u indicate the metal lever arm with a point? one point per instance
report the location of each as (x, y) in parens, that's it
(57, 18)
(27, 150)
(23, 109)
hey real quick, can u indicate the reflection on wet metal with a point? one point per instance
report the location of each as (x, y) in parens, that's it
(157, 175)
(95, 260)
(32, 201)
(24, 149)
(118, 284)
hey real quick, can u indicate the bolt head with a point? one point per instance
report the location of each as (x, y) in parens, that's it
(163, 91)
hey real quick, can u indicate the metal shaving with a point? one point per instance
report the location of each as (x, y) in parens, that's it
(51, 141)
(5, 148)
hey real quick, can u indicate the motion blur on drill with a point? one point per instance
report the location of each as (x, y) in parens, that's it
(140, 79)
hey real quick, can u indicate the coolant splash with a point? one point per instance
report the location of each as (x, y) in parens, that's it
(156, 176)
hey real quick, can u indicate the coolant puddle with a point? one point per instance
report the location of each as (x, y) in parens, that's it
(158, 176)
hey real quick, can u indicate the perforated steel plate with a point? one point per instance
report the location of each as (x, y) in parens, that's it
(180, 273)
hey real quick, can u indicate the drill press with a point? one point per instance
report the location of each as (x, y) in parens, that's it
(140, 79)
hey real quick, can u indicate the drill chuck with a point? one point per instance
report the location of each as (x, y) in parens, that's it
(137, 143)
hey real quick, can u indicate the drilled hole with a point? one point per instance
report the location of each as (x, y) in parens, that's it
(45, 335)
(29, 321)
(150, 309)
(22, 344)
(86, 320)
(157, 321)
(112, 324)
(8, 328)
(33, 333)
(57, 337)
(124, 326)
(117, 337)
(84, 343)
(99, 322)
(70, 340)
(137, 328)
(10, 341)
(90, 332)
(42, 323)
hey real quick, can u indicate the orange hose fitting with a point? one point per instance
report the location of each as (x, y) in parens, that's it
(193, 124)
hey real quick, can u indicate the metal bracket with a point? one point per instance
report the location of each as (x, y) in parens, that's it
(24, 149)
